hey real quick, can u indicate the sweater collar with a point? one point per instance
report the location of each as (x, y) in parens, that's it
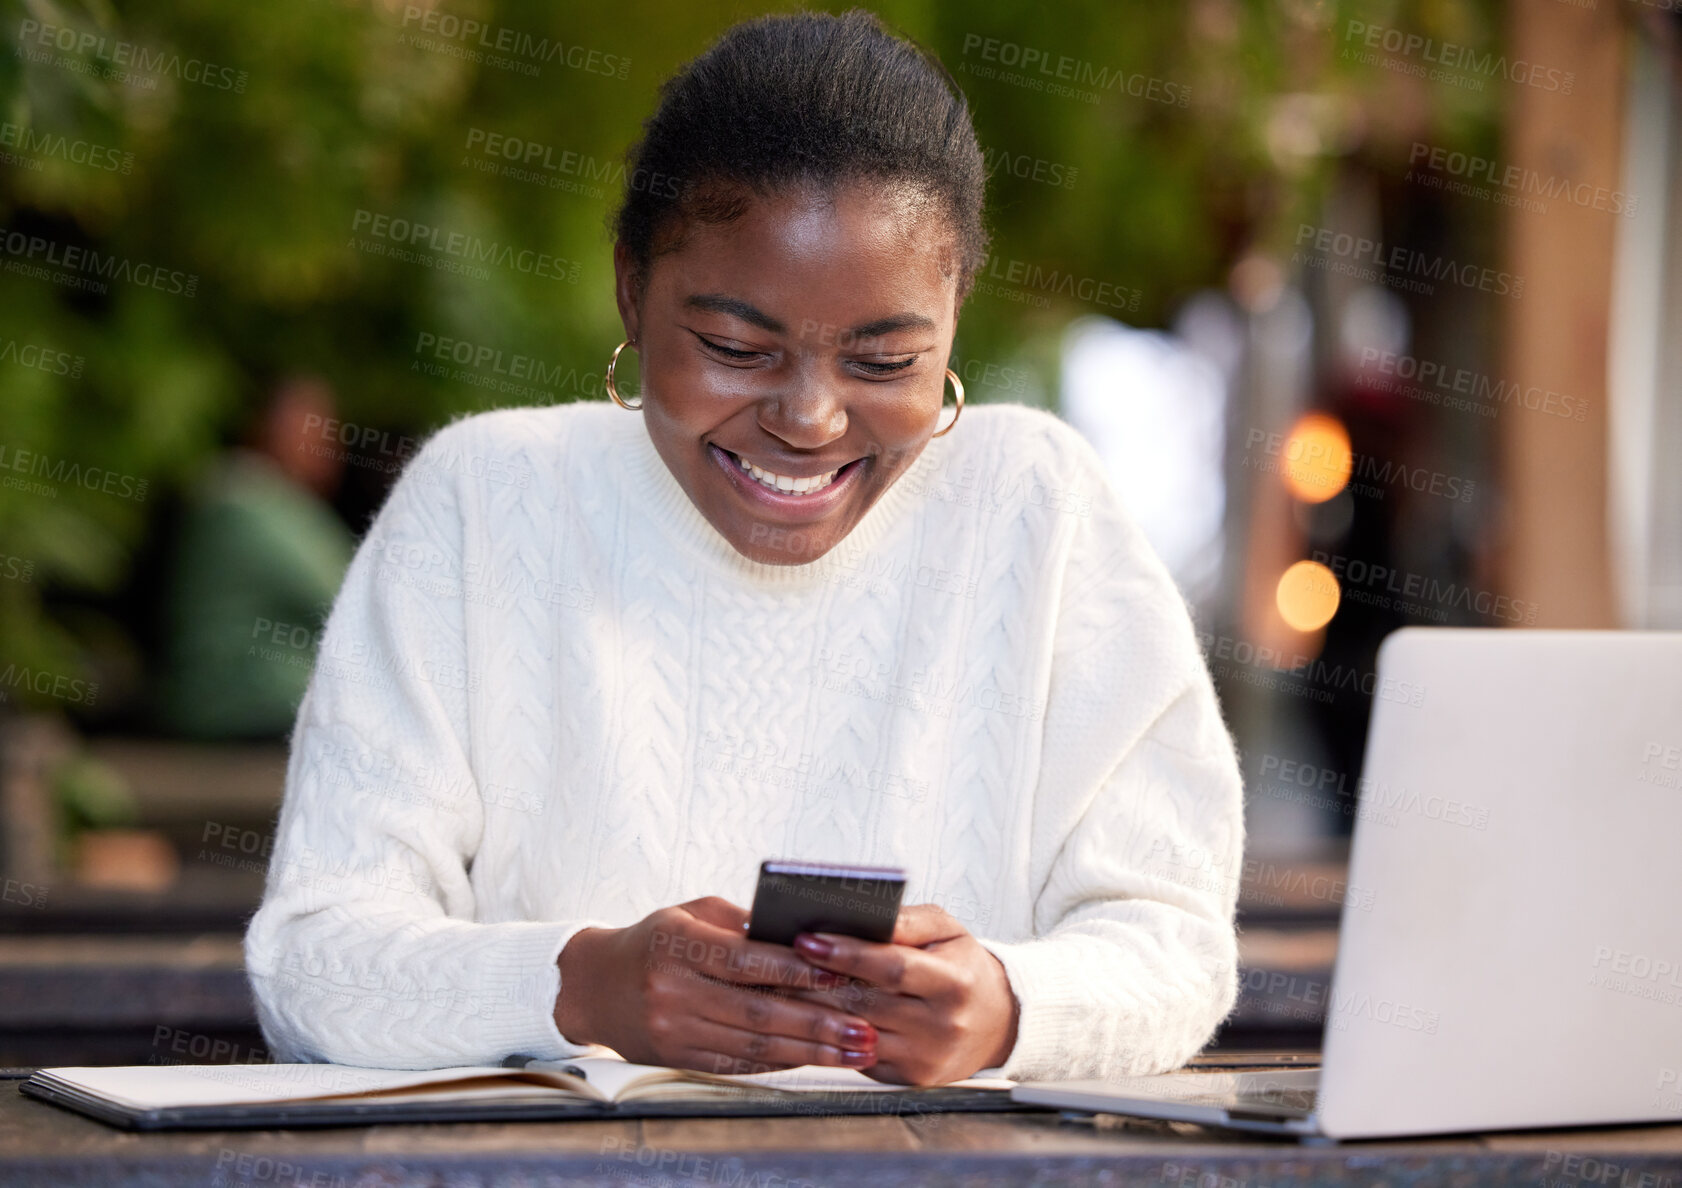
(653, 491)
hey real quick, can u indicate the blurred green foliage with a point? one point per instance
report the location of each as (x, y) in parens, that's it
(237, 157)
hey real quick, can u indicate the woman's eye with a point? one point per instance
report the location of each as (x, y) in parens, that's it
(885, 368)
(728, 352)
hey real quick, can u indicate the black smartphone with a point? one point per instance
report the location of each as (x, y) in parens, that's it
(796, 897)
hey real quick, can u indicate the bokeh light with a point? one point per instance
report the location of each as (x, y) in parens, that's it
(1316, 460)
(1307, 595)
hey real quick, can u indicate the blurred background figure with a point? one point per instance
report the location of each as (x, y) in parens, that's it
(259, 556)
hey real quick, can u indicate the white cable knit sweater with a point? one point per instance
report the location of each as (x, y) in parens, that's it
(550, 695)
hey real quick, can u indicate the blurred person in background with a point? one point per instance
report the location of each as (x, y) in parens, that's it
(259, 556)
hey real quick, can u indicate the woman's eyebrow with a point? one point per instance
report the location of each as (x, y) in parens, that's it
(753, 315)
(891, 323)
(735, 307)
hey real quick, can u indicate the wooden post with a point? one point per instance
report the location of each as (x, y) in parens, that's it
(1552, 546)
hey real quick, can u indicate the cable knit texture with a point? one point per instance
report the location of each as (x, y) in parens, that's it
(550, 696)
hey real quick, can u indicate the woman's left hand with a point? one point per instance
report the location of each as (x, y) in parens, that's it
(941, 1003)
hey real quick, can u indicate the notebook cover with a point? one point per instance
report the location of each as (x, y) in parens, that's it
(937, 1100)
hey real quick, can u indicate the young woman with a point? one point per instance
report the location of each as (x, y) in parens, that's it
(591, 666)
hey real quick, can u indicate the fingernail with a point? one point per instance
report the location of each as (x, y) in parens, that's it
(860, 1058)
(808, 943)
(859, 1037)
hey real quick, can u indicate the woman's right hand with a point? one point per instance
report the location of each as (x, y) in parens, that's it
(685, 988)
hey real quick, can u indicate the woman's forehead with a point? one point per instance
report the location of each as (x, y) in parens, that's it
(856, 245)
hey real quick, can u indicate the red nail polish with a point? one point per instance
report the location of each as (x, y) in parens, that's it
(807, 943)
(859, 1058)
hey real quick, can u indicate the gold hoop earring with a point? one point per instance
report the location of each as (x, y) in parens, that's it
(612, 388)
(957, 387)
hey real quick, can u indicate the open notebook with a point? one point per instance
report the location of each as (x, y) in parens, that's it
(222, 1096)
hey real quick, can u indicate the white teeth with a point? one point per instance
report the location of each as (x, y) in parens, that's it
(782, 482)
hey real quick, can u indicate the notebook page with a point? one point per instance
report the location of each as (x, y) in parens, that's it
(162, 1086)
(823, 1078)
(612, 1075)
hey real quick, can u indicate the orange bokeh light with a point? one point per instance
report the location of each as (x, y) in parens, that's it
(1316, 460)
(1307, 595)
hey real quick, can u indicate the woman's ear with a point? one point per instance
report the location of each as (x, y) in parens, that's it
(625, 289)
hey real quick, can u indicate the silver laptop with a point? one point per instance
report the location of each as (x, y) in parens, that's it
(1514, 959)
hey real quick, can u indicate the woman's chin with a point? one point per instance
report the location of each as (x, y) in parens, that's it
(777, 544)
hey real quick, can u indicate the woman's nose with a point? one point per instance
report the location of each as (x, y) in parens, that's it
(808, 412)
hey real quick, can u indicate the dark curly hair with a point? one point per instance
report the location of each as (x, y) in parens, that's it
(805, 97)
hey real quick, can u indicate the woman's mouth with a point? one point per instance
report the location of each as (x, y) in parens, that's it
(787, 493)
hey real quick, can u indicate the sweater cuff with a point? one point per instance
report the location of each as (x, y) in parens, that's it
(523, 972)
(1052, 1013)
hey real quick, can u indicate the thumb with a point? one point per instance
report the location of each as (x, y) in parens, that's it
(719, 912)
(923, 924)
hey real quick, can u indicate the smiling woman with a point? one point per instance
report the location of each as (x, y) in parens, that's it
(775, 395)
(957, 645)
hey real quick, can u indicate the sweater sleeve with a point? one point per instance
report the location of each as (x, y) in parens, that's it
(1138, 821)
(366, 949)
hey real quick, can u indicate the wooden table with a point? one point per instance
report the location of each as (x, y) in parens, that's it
(42, 1144)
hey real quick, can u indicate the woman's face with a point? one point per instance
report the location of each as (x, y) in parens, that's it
(809, 337)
